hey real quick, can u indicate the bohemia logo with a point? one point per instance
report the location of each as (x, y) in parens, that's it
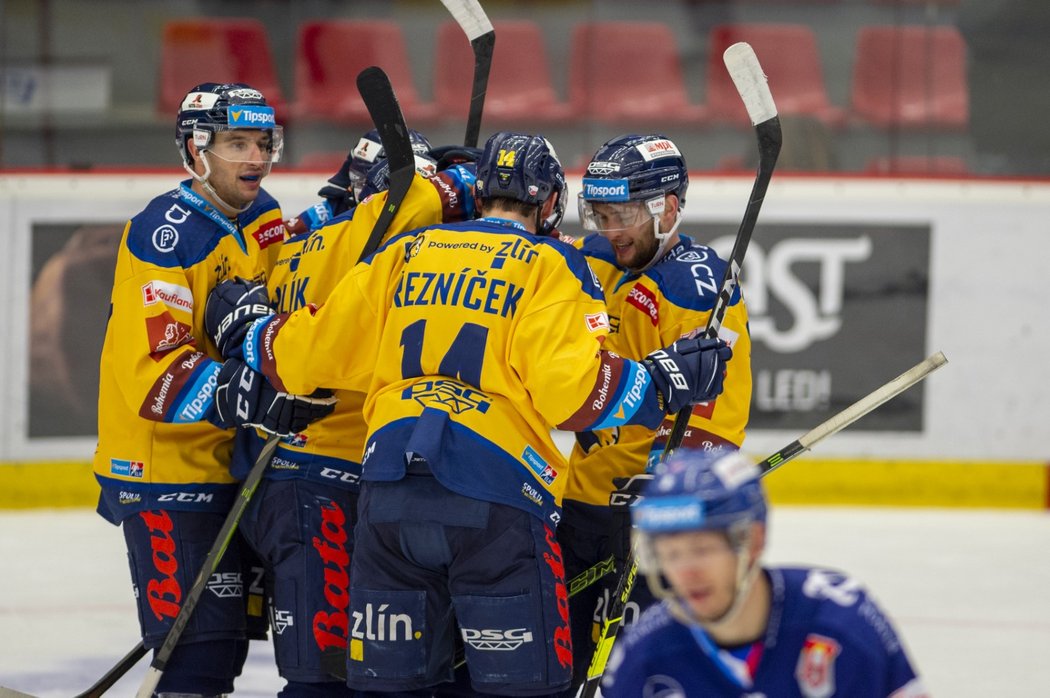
(643, 299)
(562, 639)
(330, 627)
(164, 594)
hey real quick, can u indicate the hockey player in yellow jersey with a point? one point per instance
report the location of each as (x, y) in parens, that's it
(167, 403)
(473, 340)
(659, 285)
(300, 520)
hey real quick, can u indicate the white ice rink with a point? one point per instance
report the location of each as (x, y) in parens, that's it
(969, 591)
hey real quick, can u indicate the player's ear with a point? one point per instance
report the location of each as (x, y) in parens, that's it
(757, 542)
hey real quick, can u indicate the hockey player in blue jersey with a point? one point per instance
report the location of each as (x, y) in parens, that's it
(729, 626)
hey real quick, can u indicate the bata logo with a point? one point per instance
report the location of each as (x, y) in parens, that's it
(643, 299)
(330, 625)
(651, 150)
(171, 295)
(496, 640)
(164, 593)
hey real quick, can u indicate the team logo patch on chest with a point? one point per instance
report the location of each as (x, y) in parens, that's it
(645, 300)
(815, 670)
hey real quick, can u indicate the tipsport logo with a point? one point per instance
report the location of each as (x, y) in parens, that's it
(252, 117)
(605, 189)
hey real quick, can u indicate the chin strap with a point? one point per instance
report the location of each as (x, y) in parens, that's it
(664, 238)
(203, 180)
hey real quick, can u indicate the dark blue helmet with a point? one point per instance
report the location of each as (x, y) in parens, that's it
(635, 168)
(378, 177)
(211, 107)
(523, 168)
(701, 491)
(369, 151)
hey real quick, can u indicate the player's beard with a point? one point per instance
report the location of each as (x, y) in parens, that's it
(642, 252)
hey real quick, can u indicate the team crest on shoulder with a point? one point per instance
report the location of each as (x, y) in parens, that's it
(815, 670)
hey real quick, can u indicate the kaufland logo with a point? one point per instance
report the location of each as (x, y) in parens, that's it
(257, 116)
(605, 189)
(170, 295)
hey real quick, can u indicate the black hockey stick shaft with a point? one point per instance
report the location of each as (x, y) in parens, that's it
(383, 107)
(750, 81)
(476, 25)
(211, 562)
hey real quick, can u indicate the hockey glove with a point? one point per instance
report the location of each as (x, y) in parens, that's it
(231, 308)
(244, 398)
(688, 371)
(449, 155)
(339, 192)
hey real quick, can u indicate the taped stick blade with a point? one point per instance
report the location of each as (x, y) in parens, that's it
(750, 81)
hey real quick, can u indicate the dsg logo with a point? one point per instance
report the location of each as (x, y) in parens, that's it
(491, 639)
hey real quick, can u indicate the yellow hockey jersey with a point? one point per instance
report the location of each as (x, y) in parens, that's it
(309, 267)
(648, 311)
(472, 340)
(158, 368)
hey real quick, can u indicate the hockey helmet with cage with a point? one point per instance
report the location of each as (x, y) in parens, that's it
(369, 151)
(212, 107)
(631, 175)
(523, 168)
(695, 491)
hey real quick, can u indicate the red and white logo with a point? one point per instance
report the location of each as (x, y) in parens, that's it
(164, 333)
(815, 670)
(645, 300)
(596, 321)
(171, 295)
(651, 150)
(269, 233)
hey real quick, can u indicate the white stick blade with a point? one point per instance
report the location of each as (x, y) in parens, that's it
(470, 16)
(750, 81)
(874, 399)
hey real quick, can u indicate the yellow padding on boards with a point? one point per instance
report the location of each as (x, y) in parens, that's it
(812, 481)
(853, 482)
(50, 484)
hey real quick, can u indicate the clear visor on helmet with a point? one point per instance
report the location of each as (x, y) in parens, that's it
(238, 144)
(605, 216)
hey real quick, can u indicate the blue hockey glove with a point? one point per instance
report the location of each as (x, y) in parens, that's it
(231, 308)
(244, 398)
(688, 371)
(339, 192)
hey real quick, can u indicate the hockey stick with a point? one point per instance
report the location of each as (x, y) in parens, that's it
(211, 562)
(476, 25)
(386, 113)
(378, 95)
(811, 438)
(750, 81)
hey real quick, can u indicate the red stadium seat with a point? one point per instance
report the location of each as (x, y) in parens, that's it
(789, 56)
(911, 77)
(519, 88)
(330, 53)
(629, 72)
(207, 49)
